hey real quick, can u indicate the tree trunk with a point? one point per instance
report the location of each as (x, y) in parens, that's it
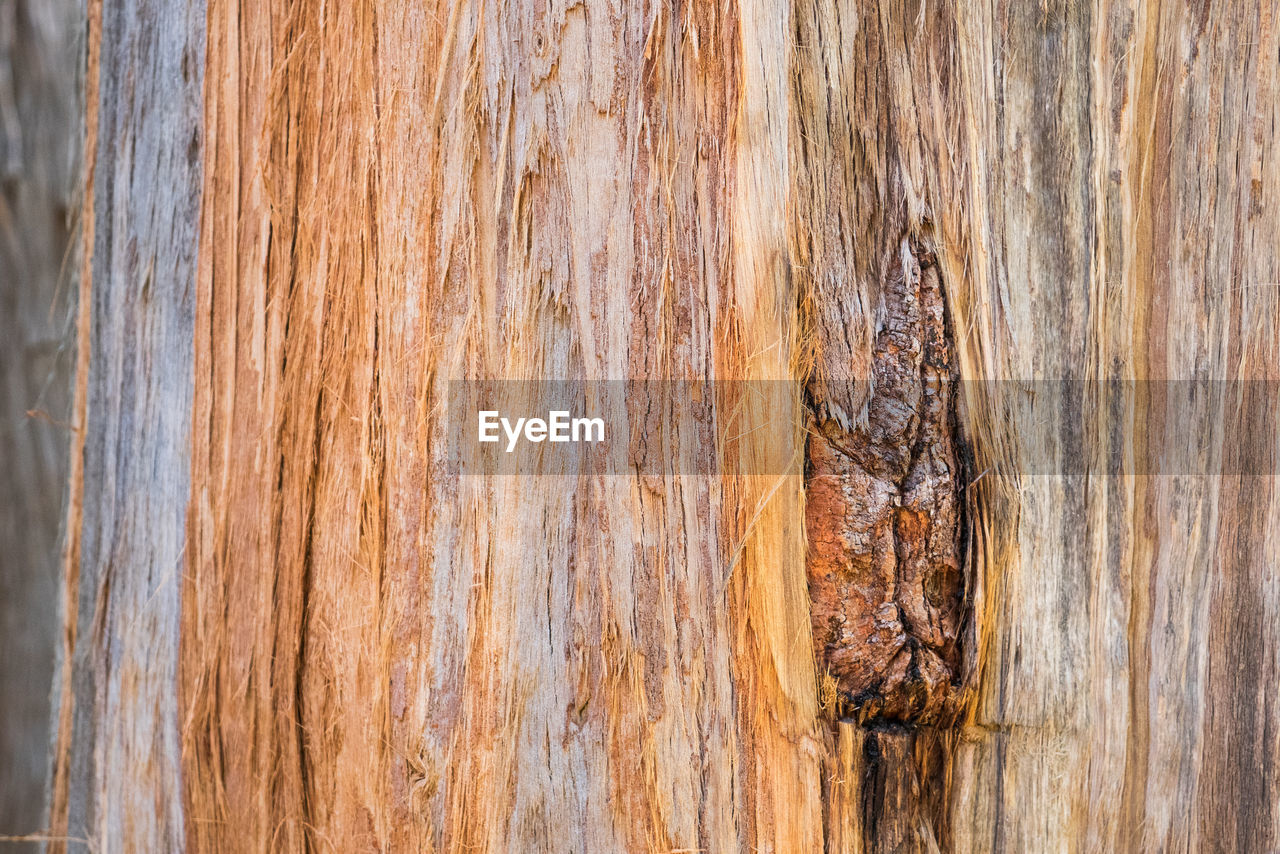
(1003, 278)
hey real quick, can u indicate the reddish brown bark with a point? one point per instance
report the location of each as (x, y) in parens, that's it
(884, 519)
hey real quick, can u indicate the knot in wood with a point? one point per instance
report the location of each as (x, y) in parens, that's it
(884, 516)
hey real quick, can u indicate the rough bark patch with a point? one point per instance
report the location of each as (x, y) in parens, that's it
(883, 517)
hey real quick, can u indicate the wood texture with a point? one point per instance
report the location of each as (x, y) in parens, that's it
(116, 775)
(332, 642)
(1125, 154)
(376, 653)
(39, 137)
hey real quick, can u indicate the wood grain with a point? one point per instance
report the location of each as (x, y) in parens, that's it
(365, 651)
(377, 654)
(117, 779)
(1130, 227)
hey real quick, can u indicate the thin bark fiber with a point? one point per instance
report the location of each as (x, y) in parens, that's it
(292, 627)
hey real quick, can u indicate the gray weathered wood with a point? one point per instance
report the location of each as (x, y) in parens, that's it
(40, 133)
(118, 780)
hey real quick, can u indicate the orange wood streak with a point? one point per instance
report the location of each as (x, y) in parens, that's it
(377, 654)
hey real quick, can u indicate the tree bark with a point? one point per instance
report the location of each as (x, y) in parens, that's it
(990, 254)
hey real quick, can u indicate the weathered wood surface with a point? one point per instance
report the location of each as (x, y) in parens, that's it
(39, 136)
(377, 653)
(1120, 221)
(117, 780)
(358, 650)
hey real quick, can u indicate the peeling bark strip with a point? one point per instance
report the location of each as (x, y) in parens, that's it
(884, 519)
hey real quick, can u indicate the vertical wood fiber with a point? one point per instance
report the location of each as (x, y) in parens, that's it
(378, 654)
(1108, 208)
(1099, 184)
(117, 776)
